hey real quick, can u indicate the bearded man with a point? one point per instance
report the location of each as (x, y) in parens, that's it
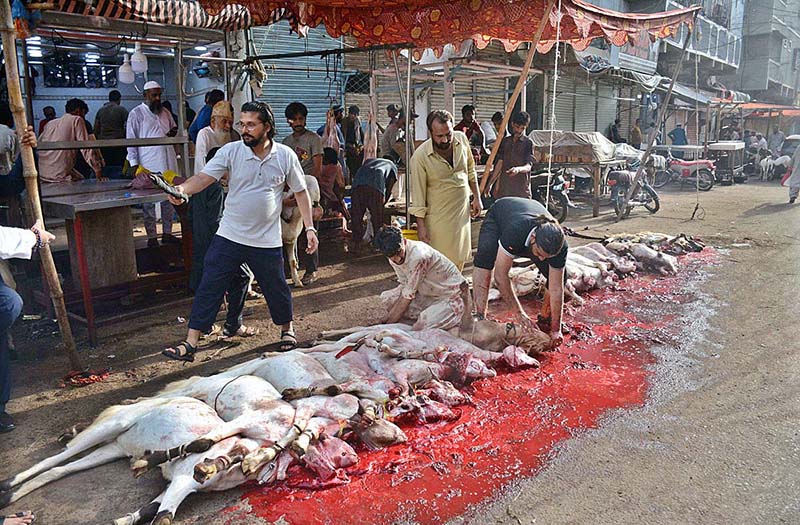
(218, 133)
(250, 231)
(148, 120)
(442, 178)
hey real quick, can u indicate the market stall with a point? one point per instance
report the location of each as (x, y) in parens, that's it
(592, 152)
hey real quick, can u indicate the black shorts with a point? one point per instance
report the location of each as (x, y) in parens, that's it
(488, 242)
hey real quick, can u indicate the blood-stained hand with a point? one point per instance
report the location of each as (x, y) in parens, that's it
(556, 339)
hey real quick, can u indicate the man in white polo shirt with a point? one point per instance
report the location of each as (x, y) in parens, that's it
(250, 232)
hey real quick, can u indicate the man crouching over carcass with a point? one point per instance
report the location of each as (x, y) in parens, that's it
(516, 227)
(432, 292)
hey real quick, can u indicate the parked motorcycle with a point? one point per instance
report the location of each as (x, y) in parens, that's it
(620, 183)
(698, 173)
(559, 192)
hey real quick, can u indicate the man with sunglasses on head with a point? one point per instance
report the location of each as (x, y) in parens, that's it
(250, 231)
(516, 227)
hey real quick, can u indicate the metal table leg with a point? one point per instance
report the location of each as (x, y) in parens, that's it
(86, 287)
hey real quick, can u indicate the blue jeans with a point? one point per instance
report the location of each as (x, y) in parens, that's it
(10, 308)
(223, 261)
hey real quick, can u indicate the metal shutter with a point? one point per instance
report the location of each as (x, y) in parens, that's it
(585, 106)
(564, 106)
(606, 107)
(285, 86)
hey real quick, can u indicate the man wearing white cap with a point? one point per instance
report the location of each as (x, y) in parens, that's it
(218, 133)
(151, 120)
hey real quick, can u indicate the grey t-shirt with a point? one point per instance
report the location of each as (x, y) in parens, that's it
(255, 190)
(306, 146)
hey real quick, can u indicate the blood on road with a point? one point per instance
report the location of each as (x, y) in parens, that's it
(516, 421)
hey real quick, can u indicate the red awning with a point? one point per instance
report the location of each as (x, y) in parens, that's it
(434, 23)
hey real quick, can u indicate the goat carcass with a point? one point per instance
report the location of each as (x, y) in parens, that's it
(130, 430)
(291, 226)
(598, 252)
(654, 260)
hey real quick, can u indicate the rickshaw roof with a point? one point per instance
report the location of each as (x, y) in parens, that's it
(730, 145)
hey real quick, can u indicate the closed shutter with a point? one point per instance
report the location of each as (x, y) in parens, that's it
(490, 98)
(285, 86)
(585, 105)
(564, 106)
(606, 107)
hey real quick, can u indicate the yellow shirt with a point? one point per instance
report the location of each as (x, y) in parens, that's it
(440, 194)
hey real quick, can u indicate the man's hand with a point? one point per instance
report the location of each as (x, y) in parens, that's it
(173, 132)
(313, 242)
(556, 338)
(99, 175)
(477, 207)
(422, 231)
(174, 200)
(525, 321)
(44, 235)
(28, 138)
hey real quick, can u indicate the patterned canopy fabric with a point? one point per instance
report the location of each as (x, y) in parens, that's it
(434, 23)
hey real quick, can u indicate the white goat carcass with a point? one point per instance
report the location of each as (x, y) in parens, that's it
(130, 430)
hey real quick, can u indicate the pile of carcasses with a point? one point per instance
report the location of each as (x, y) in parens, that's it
(600, 265)
(310, 407)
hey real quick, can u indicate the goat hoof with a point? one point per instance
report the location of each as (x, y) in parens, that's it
(204, 472)
(290, 394)
(5, 485)
(163, 518)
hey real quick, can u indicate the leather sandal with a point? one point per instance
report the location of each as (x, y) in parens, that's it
(182, 352)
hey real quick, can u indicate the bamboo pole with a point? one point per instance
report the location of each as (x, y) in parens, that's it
(30, 174)
(523, 78)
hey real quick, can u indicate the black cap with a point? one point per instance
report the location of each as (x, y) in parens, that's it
(354, 110)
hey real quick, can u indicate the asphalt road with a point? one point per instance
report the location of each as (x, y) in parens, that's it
(718, 440)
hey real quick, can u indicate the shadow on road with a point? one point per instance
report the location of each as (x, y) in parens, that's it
(766, 209)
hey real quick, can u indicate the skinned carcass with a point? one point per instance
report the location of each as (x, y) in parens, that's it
(127, 431)
(598, 252)
(592, 271)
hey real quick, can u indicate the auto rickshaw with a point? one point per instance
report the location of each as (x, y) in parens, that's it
(728, 156)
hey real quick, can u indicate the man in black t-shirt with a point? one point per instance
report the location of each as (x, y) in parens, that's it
(516, 227)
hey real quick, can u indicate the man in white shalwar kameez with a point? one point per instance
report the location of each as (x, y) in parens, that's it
(794, 180)
(151, 120)
(432, 292)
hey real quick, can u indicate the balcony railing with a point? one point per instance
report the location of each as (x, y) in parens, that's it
(711, 39)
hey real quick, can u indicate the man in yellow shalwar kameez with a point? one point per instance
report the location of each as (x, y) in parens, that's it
(442, 177)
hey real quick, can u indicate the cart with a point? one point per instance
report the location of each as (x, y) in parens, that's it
(729, 159)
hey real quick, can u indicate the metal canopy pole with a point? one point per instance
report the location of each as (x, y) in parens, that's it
(187, 172)
(409, 140)
(326, 52)
(662, 111)
(31, 175)
(521, 81)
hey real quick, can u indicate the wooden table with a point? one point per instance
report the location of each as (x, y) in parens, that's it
(99, 232)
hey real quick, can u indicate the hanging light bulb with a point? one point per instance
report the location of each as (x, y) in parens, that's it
(138, 60)
(126, 75)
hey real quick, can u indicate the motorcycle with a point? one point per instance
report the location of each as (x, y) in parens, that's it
(620, 182)
(694, 172)
(558, 203)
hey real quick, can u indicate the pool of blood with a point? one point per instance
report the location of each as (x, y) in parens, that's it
(517, 419)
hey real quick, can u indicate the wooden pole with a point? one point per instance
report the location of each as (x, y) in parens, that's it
(30, 174)
(651, 140)
(523, 78)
